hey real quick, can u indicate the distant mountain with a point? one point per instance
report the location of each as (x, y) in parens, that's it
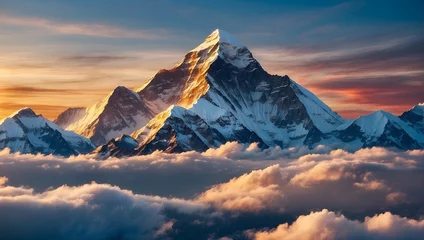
(415, 117)
(124, 145)
(218, 93)
(384, 129)
(70, 116)
(121, 112)
(380, 129)
(27, 132)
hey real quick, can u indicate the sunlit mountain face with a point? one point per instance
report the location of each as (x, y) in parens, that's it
(300, 120)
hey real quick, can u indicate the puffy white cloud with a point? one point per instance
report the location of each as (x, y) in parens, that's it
(323, 171)
(339, 180)
(254, 191)
(329, 225)
(91, 211)
(368, 183)
(234, 150)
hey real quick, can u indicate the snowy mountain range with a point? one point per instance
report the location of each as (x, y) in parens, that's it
(26, 132)
(218, 93)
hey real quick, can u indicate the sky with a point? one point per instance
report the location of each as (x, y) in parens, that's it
(357, 56)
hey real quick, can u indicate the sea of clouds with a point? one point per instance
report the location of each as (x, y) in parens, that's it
(233, 192)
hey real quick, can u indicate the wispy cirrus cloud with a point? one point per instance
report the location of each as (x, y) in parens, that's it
(96, 59)
(15, 97)
(84, 29)
(49, 111)
(350, 77)
(17, 89)
(395, 93)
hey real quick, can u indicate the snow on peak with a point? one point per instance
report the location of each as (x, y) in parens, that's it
(206, 110)
(321, 115)
(419, 109)
(225, 37)
(373, 124)
(229, 49)
(219, 36)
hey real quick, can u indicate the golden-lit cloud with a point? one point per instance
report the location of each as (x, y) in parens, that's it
(327, 225)
(318, 180)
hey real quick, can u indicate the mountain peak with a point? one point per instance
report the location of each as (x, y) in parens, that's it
(121, 91)
(25, 112)
(219, 36)
(128, 140)
(419, 108)
(27, 132)
(378, 115)
(225, 37)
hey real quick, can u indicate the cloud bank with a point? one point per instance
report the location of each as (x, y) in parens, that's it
(236, 191)
(180, 175)
(360, 183)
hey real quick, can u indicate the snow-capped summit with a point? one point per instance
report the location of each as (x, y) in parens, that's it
(222, 76)
(381, 128)
(227, 47)
(216, 37)
(418, 109)
(121, 112)
(26, 132)
(374, 123)
(415, 117)
(218, 93)
(125, 111)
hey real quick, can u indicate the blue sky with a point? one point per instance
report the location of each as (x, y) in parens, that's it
(88, 47)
